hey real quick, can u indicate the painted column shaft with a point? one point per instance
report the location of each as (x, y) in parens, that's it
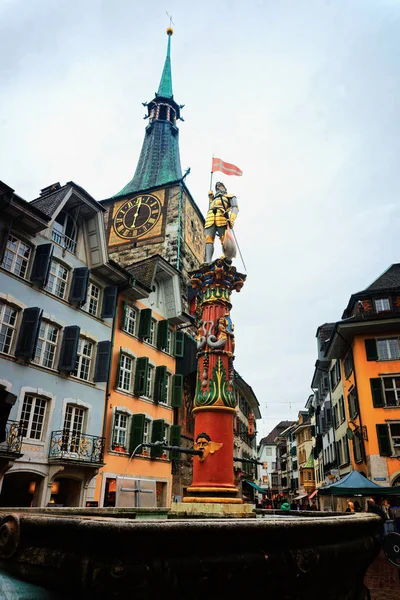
(215, 402)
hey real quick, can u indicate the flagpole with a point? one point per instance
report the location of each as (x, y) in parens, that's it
(212, 172)
(240, 254)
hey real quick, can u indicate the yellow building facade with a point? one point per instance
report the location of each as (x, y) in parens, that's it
(144, 391)
(367, 344)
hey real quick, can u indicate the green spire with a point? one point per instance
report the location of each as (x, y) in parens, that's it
(165, 87)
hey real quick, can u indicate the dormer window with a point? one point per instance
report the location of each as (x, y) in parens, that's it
(382, 305)
(65, 231)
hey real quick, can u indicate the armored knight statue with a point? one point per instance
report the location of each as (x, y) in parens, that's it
(221, 216)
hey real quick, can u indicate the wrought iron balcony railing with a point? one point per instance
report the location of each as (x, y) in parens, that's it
(63, 240)
(76, 446)
(13, 439)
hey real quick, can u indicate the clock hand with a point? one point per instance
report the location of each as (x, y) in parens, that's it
(136, 213)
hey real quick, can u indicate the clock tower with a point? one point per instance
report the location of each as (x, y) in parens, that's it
(155, 214)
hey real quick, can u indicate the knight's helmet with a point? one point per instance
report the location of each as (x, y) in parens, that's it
(220, 184)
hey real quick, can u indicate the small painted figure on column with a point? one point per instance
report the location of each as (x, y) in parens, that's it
(222, 212)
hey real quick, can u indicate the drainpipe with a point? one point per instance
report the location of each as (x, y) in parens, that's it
(178, 260)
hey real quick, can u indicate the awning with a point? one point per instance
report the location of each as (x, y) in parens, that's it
(313, 494)
(300, 497)
(257, 487)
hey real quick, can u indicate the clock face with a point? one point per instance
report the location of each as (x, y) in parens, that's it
(137, 216)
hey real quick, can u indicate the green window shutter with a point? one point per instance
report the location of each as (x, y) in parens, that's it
(177, 391)
(157, 434)
(28, 333)
(41, 264)
(137, 432)
(124, 314)
(385, 447)
(102, 361)
(179, 344)
(160, 382)
(162, 334)
(175, 440)
(142, 366)
(377, 392)
(371, 349)
(118, 368)
(144, 323)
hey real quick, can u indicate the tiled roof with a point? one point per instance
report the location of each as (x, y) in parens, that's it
(325, 330)
(144, 271)
(48, 204)
(269, 439)
(159, 161)
(389, 279)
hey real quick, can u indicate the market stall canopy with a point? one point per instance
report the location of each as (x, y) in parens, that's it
(257, 487)
(355, 484)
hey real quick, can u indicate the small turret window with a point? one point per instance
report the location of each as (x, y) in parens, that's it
(163, 114)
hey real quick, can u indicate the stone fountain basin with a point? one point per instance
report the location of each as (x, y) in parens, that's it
(319, 556)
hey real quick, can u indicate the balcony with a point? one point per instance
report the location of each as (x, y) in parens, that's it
(13, 440)
(76, 447)
(63, 240)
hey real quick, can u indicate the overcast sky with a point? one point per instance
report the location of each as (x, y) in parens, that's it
(302, 95)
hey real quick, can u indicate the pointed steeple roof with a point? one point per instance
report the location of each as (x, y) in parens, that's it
(165, 87)
(159, 162)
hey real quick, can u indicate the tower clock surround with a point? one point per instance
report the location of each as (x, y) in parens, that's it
(137, 216)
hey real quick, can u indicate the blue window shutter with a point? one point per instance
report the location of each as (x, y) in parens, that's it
(144, 323)
(109, 302)
(102, 361)
(177, 391)
(157, 434)
(69, 348)
(41, 264)
(79, 285)
(28, 333)
(137, 432)
(175, 440)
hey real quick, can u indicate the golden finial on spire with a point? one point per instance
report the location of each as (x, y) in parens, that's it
(170, 31)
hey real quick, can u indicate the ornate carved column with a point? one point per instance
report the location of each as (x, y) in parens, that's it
(214, 403)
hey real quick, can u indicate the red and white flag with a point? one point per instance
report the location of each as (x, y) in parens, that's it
(224, 167)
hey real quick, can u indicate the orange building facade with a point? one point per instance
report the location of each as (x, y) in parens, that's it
(144, 391)
(367, 342)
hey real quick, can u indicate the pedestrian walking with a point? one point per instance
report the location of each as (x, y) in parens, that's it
(374, 508)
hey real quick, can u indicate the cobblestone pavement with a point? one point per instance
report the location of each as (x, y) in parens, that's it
(383, 579)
